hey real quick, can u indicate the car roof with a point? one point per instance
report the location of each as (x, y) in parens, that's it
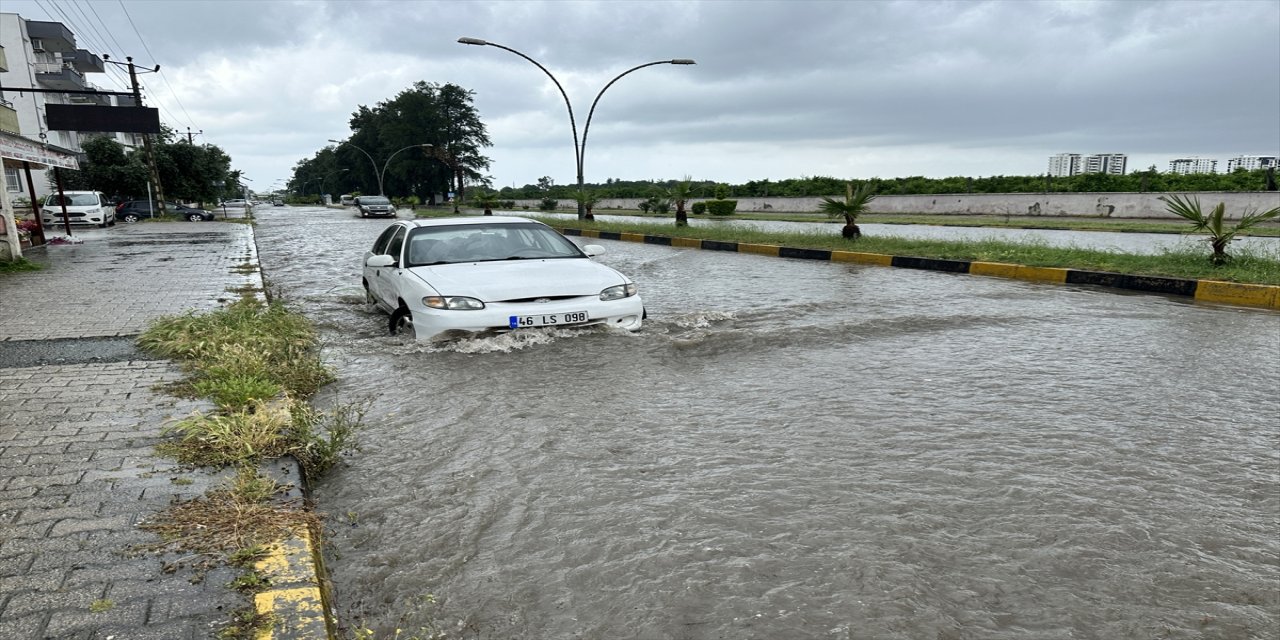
(444, 222)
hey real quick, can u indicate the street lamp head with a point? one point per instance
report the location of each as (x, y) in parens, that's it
(472, 41)
(337, 141)
(683, 61)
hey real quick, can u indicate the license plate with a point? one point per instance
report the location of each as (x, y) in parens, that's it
(548, 319)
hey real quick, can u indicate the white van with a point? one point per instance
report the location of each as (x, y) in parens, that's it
(83, 207)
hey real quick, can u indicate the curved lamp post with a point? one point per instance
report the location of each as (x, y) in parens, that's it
(579, 149)
(379, 172)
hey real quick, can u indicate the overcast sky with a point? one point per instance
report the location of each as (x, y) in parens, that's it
(780, 90)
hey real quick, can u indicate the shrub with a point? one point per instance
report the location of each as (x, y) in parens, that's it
(699, 208)
(548, 204)
(508, 204)
(720, 207)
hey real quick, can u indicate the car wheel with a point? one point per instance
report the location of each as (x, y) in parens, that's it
(401, 320)
(368, 295)
(195, 217)
(130, 217)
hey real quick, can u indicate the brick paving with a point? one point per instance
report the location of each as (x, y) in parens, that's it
(77, 468)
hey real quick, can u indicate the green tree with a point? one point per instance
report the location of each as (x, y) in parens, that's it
(855, 202)
(1220, 235)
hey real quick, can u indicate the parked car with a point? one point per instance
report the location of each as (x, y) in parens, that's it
(236, 203)
(135, 210)
(83, 207)
(447, 278)
(277, 203)
(374, 206)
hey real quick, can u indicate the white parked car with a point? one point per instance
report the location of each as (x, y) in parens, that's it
(235, 204)
(448, 278)
(83, 207)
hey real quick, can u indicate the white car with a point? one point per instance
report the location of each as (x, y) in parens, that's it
(83, 207)
(448, 278)
(235, 204)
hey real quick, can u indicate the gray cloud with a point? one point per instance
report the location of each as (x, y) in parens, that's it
(883, 88)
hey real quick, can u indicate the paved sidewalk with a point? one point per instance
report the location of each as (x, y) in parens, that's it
(78, 420)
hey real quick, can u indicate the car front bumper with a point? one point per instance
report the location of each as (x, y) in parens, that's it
(443, 324)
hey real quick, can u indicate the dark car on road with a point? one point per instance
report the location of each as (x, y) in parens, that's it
(374, 206)
(135, 210)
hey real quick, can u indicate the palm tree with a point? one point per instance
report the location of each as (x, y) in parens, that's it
(1219, 235)
(855, 202)
(487, 200)
(680, 195)
(588, 201)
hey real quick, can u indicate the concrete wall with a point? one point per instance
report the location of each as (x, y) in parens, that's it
(1105, 205)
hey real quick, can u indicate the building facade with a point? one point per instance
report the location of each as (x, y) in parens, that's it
(1064, 164)
(43, 55)
(1071, 164)
(1112, 163)
(1193, 164)
(1250, 163)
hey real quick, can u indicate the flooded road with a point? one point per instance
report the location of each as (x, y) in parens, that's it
(793, 449)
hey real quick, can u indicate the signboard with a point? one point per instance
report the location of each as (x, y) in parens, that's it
(92, 117)
(22, 149)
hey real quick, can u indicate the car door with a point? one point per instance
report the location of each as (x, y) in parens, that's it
(379, 277)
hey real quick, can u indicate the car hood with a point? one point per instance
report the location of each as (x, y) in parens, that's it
(517, 279)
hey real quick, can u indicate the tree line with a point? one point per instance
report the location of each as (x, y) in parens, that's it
(188, 172)
(817, 186)
(424, 141)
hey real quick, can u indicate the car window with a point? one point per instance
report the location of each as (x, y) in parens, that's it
(478, 243)
(397, 243)
(380, 246)
(73, 200)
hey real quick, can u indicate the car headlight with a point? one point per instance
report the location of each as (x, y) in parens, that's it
(456, 303)
(619, 292)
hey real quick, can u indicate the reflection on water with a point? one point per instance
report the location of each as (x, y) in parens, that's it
(793, 449)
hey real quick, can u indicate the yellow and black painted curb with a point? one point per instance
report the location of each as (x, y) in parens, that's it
(297, 602)
(1251, 295)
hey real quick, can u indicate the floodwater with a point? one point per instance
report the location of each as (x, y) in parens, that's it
(794, 449)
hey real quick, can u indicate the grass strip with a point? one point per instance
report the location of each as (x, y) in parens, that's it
(1247, 265)
(18, 266)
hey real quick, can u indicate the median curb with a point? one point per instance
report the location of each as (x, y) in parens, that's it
(298, 601)
(1233, 293)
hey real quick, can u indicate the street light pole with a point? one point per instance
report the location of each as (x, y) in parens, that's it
(379, 172)
(579, 149)
(321, 180)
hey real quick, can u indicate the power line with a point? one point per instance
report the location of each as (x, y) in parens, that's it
(148, 50)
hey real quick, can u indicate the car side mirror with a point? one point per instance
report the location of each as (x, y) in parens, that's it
(593, 250)
(380, 261)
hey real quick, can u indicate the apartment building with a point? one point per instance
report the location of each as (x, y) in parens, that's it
(43, 55)
(1112, 163)
(1193, 164)
(1071, 164)
(1251, 163)
(1064, 164)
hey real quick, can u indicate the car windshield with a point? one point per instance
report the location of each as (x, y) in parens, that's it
(374, 200)
(486, 242)
(73, 200)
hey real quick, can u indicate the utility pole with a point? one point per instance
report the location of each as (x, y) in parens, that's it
(190, 135)
(146, 137)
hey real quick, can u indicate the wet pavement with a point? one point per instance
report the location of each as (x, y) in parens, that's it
(80, 414)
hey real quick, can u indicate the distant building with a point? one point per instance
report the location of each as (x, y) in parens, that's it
(1193, 164)
(1250, 163)
(1071, 164)
(1112, 163)
(1064, 164)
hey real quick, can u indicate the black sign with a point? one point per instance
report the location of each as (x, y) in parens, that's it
(89, 117)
